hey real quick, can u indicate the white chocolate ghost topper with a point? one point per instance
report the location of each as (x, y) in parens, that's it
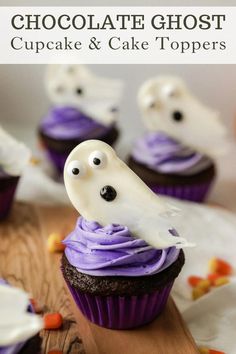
(104, 189)
(76, 86)
(167, 105)
(16, 324)
(14, 155)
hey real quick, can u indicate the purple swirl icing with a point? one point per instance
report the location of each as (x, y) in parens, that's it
(113, 251)
(70, 123)
(164, 154)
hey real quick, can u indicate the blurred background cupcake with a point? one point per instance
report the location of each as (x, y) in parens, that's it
(175, 156)
(14, 156)
(84, 106)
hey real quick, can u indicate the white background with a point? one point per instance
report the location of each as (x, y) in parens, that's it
(180, 46)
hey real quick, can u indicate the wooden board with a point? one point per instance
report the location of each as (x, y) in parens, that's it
(167, 334)
(25, 262)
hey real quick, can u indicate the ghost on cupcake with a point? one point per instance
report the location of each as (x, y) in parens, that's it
(176, 154)
(124, 254)
(14, 157)
(84, 106)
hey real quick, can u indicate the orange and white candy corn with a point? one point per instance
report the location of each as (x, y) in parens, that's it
(220, 266)
(54, 243)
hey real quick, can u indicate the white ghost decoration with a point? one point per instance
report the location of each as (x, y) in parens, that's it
(14, 155)
(16, 324)
(104, 189)
(76, 86)
(167, 105)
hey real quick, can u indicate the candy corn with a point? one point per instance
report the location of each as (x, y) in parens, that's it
(35, 161)
(204, 284)
(219, 266)
(52, 320)
(221, 281)
(36, 306)
(193, 280)
(212, 277)
(198, 292)
(204, 350)
(220, 270)
(54, 243)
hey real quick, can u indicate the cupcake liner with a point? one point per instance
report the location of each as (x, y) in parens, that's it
(121, 312)
(57, 158)
(7, 196)
(193, 192)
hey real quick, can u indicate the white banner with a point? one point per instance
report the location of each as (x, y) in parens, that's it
(118, 35)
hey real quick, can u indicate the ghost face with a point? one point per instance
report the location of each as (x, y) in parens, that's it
(76, 86)
(168, 106)
(90, 180)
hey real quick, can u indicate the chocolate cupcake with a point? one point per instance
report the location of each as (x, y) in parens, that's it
(14, 156)
(66, 127)
(121, 264)
(175, 157)
(84, 107)
(170, 168)
(107, 268)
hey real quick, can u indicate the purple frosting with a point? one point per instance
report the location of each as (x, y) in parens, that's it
(164, 154)
(69, 123)
(113, 251)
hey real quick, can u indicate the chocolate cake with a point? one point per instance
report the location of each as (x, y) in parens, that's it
(152, 178)
(114, 285)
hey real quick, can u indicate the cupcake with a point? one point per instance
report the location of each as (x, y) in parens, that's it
(18, 324)
(84, 106)
(14, 156)
(122, 258)
(175, 156)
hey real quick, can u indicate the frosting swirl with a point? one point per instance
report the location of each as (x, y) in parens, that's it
(164, 154)
(70, 123)
(113, 251)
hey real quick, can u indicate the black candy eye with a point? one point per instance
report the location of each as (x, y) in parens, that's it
(79, 91)
(108, 193)
(96, 161)
(177, 116)
(75, 171)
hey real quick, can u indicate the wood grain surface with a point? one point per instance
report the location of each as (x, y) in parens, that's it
(25, 262)
(167, 334)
